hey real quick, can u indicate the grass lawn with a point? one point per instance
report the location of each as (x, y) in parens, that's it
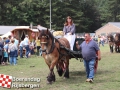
(106, 78)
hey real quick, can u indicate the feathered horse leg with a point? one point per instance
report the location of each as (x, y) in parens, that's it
(51, 76)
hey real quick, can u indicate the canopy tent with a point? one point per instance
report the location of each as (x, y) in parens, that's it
(20, 31)
(6, 35)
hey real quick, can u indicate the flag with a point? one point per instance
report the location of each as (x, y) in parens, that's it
(5, 81)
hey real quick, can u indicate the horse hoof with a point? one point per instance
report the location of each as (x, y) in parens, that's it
(49, 82)
(65, 78)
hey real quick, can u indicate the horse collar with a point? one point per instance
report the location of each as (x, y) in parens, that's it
(52, 47)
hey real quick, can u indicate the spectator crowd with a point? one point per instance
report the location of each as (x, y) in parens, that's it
(11, 48)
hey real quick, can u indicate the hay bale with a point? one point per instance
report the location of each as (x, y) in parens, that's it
(58, 33)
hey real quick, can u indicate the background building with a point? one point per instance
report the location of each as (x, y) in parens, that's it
(111, 27)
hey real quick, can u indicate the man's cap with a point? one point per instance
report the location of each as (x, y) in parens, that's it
(26, 35)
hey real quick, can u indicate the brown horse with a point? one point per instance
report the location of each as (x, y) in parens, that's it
(111, 42)
(54, 55)
(117, 42)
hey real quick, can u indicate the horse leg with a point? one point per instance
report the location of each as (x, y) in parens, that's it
(119, 48)
(60, 71)
(66, 75)
(116, 48)
(51, 77)
(66, 65)
(59, 68)
(111, 48)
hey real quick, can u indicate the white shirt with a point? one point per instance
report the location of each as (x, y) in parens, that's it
(26, 41)
(21, 43)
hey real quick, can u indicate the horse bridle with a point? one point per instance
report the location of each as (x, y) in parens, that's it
(109, 39)
(46, 38)
(44, 42)
(47, 42)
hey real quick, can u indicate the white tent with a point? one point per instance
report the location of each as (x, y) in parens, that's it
(44, 28)
(6, 35)
(22, 27)
(41, 28)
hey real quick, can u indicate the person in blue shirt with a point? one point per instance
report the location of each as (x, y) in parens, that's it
(1, 49)
(5, 55)
(90, 51)
(8, 39)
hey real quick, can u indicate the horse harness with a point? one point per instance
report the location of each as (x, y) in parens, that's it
(54, 40)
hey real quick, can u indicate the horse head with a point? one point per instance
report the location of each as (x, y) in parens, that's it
(110, 38)
(46, 40)
(117, 37)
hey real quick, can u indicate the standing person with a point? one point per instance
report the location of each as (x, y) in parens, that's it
(32, 46)
(4, 39)
(12, 49)
(1, 49)
(16, 42)
(27, 43)
(8, 41)
(21, 48)
(69, 31)
(102, 41)
(5, 55)
(90, 50)
(99, 41)
(37, 42)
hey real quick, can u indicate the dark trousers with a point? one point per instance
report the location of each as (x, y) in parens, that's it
(8, 57)
(1, 57)
(21, 52)
(38, 48)
(27, 50)
(5, 59)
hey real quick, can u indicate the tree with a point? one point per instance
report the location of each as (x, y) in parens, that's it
(88, 15)
(115, 10)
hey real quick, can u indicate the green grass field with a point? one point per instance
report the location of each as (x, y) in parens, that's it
(106, 78)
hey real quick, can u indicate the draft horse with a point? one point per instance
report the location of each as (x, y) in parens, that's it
(111, 40)
(54, 55)
(117, 42)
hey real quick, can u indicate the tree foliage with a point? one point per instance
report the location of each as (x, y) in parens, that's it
(88, 15)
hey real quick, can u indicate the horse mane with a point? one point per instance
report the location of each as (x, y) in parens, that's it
(45, 33)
